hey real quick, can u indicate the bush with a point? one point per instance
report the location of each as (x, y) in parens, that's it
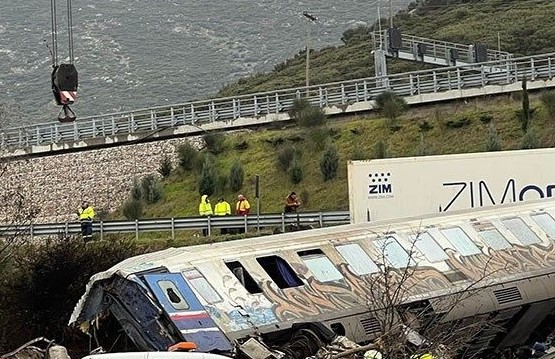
(318, 137)
(530, 140)
(241, 145)
(493, 143)
(548, 101)
(356, 34)
(485, 117)
(136, 190)
(208, 178)
(285, 156)
(215, 142)
(458, 122)
(133, 209)
(187, 156)
(297, 107)
(391, 105)
(311, 116)
(151, 189)
(166, 166)
(380, 150)
(296, 172)
(236, 176)
(358, 154)
(329, 163)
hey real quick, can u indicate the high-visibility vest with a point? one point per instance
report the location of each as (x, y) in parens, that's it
(204, 207)
(86, 214)
(222, 208)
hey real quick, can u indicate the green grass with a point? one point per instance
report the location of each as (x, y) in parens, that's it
(350, 135)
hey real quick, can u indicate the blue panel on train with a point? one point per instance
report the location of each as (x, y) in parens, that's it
(187, 313)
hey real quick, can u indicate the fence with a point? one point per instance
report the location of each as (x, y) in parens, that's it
(227, 110)
(279, 221)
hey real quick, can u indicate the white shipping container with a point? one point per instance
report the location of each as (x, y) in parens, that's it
(414, 186)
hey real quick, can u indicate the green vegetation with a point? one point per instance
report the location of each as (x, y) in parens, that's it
(523, 27)
(287, 160)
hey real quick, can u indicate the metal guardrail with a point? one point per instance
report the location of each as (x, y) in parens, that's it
(260, 104)
(278, 220)
(438, 49)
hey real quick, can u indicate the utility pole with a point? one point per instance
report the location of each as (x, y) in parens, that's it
(311, 19)
(390, 13)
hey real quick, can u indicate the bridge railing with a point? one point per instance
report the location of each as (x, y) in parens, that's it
(279, 221)
(229, 109)
(437, 48)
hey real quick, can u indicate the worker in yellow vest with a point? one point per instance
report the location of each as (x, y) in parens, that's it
(222, 208)
(205, 209)
(86, 216)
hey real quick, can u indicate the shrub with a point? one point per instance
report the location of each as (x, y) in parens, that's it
(241, 145)
(215, 142)
(166, 166)
(136, 190)
(358, 154)
(485, 117)
(530, 140)
(187, 156)
(493, 143)
(380, 150)
(318, 137)
(297, 107)
(284, 157)
(296, 172)
(236, 176)
(329, 163)
(151, 189)
(548, 101)
(311, 116)
(458, 122)
(208, 178)
(391, 105)
(133, 209)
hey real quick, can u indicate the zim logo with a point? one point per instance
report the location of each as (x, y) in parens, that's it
(380, 186)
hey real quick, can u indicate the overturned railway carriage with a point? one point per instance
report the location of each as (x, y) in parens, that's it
(217, 294)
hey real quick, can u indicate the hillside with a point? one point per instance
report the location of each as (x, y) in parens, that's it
(524, 28)
(456, 127)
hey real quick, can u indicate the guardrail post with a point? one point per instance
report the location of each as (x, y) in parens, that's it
(193, 114)
(436, 86)
(113, 120)
(411, 84)
(321, 219)
(255, 106)
(173, 228)
(365, 90)
(31, 230)
(459, 80)
(172, 115)
(283, 223)
(320, 97)
(532, 69)
(235, 114)
(549, 67)
(246, 227)
(101, 230)
(343, 95)
(208, 223)
(66, 228)
(483, 75)
(152, 120)
(136, 229)
(278, 107)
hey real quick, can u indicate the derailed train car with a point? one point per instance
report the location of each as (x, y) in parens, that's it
(218, 295)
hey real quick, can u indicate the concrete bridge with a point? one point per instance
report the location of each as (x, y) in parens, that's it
(353, 96)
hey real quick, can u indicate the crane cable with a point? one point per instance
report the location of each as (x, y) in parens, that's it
(54, 20)
(54, 33)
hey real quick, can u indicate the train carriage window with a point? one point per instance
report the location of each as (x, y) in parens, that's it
(320, 265)
(394, 253)
(173, 295)
(244, 277)
(522, 232)
(460, 241)
(491, 236)
(280, 271)
(357, 259)
(201, 285)
(428, 246)
(546, 223)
